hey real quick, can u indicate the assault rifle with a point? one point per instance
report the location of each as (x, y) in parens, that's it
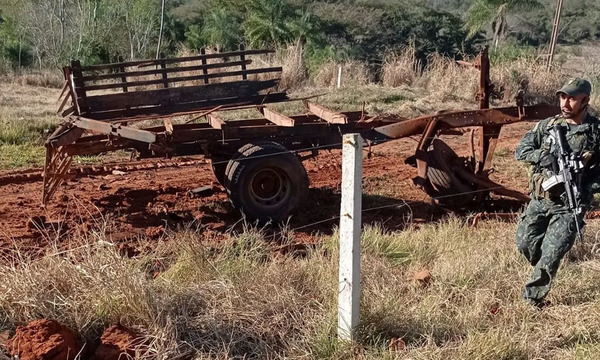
(568, 169)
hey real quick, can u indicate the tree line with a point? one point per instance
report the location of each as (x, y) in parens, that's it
(48, 33)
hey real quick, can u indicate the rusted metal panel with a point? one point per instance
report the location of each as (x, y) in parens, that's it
(277, 118)
(421, 152)
(64, 135)
(326, 114)
(454, 119)
(141, 63)
(487, 146)
(486, 183)
(56, 166)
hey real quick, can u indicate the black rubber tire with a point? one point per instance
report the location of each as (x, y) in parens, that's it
(223, 163)
(219, 165)
(265, 181)
(446, 188)
(238, 153)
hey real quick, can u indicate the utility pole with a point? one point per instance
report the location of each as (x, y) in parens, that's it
(554, 33)
(162, 25)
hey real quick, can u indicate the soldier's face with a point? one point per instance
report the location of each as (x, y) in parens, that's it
(571, 106)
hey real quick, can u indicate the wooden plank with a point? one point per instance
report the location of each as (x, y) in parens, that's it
(165, 80)
(243, 60)
(331, 117)
(130, 74)
(122, 75)
(114, 129)
(64, 102)
(215, 121)
(204, 68)
(174, 60)
(277, 118)
(168, 126)
(179, 95)
(68, 111)
(153, 112)
(163, 73)
(78, 91)
(64, 89)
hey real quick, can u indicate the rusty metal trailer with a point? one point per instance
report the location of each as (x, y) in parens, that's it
(257, 160)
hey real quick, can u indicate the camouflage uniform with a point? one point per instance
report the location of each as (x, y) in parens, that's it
(547, 230)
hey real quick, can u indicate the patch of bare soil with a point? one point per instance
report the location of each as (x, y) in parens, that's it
(137, 208)
(43, 340)
(117, 342)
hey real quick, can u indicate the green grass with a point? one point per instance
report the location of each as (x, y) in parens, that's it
(21, 156)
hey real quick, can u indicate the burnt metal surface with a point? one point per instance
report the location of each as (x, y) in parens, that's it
(456, 119)
(486, 122)
(134, 95)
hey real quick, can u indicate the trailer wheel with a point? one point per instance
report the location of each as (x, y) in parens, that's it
(448, 189)
(220, 164)
(266, 181)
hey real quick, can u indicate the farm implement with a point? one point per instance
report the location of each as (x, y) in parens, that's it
(131, 106)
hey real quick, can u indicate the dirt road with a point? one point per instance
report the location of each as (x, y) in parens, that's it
(138, 207)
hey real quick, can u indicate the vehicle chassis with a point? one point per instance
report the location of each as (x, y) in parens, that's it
(258, 160)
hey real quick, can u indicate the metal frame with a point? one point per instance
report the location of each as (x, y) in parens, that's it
(322, 127)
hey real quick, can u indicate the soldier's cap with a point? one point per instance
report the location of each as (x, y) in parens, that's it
(576, 87)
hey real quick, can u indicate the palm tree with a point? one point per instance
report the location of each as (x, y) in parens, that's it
(267, 23)
(484, 12)
(221, 29)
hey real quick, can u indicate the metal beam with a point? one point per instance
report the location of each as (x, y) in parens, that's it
(114, 129)
(215, 121)
(330, 116)
(454, 119)
(277, 118)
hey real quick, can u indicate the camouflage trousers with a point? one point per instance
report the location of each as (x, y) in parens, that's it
(545, 233)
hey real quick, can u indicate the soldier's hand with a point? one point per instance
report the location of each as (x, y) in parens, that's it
(547, 160)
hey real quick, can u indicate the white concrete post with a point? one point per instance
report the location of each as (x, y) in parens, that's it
(350, 228)
(339, 78)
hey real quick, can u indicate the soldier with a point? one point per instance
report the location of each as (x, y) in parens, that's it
(547, 228)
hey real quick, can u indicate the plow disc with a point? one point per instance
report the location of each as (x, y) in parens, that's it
(446, 187)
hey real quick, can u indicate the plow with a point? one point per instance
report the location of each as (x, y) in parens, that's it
(131, 106)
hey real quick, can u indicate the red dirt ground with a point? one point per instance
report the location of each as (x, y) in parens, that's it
(43, 340)
(137, 207)
(115, 341)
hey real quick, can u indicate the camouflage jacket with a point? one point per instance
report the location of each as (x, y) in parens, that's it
(583, 139)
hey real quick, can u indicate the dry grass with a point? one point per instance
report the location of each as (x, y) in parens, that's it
(401, 69)
(46, 78)
(448, 81)
(540, 85)
(26, 117)
(354, 73)
(239, 299)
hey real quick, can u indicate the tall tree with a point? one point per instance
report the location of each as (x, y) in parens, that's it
(221, 29)
(267, 23)
(494, 12)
